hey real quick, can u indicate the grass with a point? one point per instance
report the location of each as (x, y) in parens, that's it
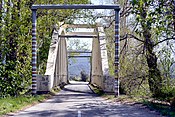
(96, 90)
(14, 104)
(108, 96)
(163, 108)
(125, 99)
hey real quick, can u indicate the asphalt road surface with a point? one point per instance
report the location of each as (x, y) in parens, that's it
(77, 100)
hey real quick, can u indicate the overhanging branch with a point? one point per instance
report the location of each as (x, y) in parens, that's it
(167, 39)
(130, 36)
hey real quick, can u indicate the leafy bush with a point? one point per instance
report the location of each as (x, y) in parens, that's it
(173, 103)
(84, 76)
(14, 81)
(168, 92)
(75, 78)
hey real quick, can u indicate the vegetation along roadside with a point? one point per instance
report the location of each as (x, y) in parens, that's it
(164, 107)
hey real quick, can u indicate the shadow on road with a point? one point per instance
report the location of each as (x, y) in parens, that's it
(77, 91)
(77, 98)
(97, 110)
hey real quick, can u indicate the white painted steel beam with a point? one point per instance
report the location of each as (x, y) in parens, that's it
(81, 34)
(79, 26)
(77, 36)
(79, 51)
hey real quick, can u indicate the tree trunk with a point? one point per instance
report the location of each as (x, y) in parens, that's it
(155, 79)
(154, 76)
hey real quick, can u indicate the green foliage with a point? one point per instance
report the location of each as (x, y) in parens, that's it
(12, 104)
(133, 73)
(165, 63)
(173, 103)
(168, 92)
(15, 49)
(97, 90)
(110, 49)
(145, 57)
(153, 16)
(164, 109)
(45, 25)
(84, 76)
(15, 41)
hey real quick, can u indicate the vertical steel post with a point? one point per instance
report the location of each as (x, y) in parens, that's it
(117, 49)
(34, 53)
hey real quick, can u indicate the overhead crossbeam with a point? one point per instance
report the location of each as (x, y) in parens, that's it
(79, 56)
(77, 36)
(75, 6)
(82, 33)
(79, 51)
(79, 26)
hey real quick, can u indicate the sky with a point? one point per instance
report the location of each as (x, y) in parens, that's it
(97, 2)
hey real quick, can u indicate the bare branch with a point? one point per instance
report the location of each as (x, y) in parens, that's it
(110, 24)
(124, 46)
(126, 12)
(130, 36)
(167, 39)
(126, 9)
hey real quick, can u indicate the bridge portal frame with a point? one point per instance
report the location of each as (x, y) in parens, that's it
(34, 9)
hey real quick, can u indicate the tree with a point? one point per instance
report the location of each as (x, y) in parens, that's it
(149, 26)
(15, 41)
(15, 48)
